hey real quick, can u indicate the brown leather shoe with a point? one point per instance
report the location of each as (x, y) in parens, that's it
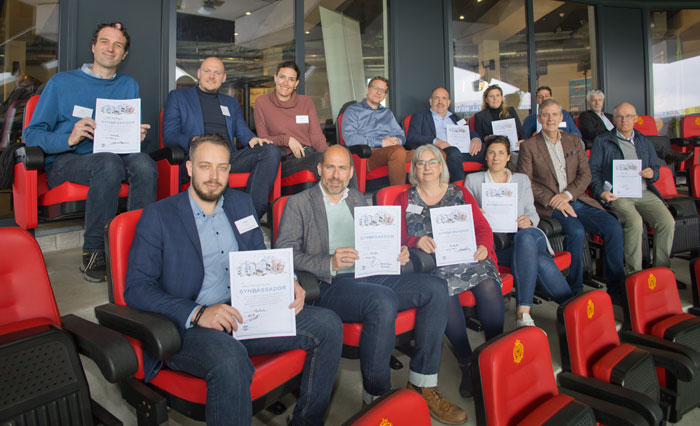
(441, 409)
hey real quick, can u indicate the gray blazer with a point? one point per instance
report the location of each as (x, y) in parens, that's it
(304, 228)
(526, 201)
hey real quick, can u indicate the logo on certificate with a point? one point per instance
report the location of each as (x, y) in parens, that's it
(265, 266)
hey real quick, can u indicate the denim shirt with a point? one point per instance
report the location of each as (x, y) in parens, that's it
(364, 125)
(440, 125)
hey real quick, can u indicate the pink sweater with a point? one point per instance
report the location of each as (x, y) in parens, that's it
(277, 120)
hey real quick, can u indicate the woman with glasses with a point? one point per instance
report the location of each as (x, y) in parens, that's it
(494, 108)
(528, 255)
(429, 177)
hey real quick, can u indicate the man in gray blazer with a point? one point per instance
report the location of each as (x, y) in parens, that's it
(319, 225)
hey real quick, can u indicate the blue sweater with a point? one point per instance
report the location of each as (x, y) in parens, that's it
(53, 120)
(363, 125)
(530, 124)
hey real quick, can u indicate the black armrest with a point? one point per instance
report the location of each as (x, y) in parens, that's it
(501, 240)
(606, 412)
(691, 141)
(617, 216)
(638, 339)
(422, 262)
(694, 310)
(310, 284)
(174, 154)
(362, 151)
(550, 226)
(110, 350)
(31, 156)
(632, 400)
(158, 335)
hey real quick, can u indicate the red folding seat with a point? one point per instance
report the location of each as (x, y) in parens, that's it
(686, 237)
(646, 125)
(41, 376)
(275, 374)
(514, 385)
(689, 140)
(694, 185)
(33, 198)
(655, 310)
(400, 407)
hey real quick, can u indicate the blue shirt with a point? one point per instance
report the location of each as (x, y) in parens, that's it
(364, 125)
(217, 239)
(440, 123)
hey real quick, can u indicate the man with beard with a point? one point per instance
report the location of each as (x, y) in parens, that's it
(184, 276)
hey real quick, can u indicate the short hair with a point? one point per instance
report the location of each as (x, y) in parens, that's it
(444, 173)
(494, 139)
(549, 102)
(116, 25)
(345, 148)
(213, 138)
(439, 87)
(547, 88)
(594, 92)
(288, 64)
(380, 78)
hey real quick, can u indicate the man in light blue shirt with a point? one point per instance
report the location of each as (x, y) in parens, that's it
(531, 125)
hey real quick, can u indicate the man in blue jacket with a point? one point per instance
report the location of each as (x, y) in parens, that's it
(430, 127)
(530, 125)
(178, 267)
(626, 143)
(63, 127)
(194, 111)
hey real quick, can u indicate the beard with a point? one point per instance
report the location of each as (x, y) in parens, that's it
(202, 193)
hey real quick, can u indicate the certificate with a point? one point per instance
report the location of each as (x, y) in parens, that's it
(500, 202)
(453, 232)
(377, 240)
(507, 128)
(262, 288)
(627, 182)
(459, 136)
(117, 126)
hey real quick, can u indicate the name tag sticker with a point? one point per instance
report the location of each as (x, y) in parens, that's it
(462, 122)
(412, 208)
(224, 110)
(562, 125)
(81, 112)
(302, 119)
(246, 224)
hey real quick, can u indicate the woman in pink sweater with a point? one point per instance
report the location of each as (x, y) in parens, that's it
(290, 121)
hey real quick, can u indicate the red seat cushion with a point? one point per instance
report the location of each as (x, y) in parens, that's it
(405, 322)
(303, 176)
(67, 191)
(546, 410)
(603, 368)
(659, 328)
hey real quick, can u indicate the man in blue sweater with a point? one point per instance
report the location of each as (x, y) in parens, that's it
(63, 127)
(531, 125)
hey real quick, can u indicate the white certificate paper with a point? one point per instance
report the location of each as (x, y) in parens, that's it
(459, 136)
(500, 202)
(507, 128)
(262, 288)
(627, 182)
(117, 126)
(453, 232)
(377, 240)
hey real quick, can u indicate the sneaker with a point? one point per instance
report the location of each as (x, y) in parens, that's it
(441, 409)
(526, 321)
(465, 386)
(94, 267)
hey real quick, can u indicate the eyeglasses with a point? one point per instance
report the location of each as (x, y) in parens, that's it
(625, 117)
(422, 163)
(379, 89)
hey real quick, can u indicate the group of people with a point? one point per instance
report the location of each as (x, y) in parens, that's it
(178, 263)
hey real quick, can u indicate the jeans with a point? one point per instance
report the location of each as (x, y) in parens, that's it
(455, 158)
(262, 163)
(104, 173)
(223, 362)
(375, 302)
(601, 223)
(529, 262)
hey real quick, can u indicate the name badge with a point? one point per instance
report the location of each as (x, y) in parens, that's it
(462, 122)
(224, 110)
(302, 119)
(246, 224)
(81, 112)
(413, 208)
(562, 125)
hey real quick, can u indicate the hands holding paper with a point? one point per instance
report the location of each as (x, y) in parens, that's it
(524, 222)
(647, 173)
(85, 128)
(299, 296)
(345, 257)
(220, 317)
(428, 245)
(609, 196)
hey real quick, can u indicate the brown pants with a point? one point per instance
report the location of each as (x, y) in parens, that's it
(395, 157)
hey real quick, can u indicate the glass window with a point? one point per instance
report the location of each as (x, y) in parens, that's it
(345, 46)
(564, 34)
(251, 37)
(490, 47)
(675, 64)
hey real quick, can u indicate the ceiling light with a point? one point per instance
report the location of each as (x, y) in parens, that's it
(235, 34)
(561, 14)
(248, 13)
(461, 17)
(308, 32)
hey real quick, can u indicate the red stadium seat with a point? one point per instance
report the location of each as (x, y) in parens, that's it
(406, 123)
(687, 230)
(689, 140)
(275, 374)
(646, 125)
(397, 408)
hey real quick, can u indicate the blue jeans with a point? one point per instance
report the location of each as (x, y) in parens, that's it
(104, 173)
(375, 302)
(601, 223)
(223, 362)
(529, 262)
(454, 159)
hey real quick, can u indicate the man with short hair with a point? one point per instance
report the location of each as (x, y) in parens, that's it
(63, 127)
(626, 143)
(558, 169)
(430, 127)
(594, 121)
(178, 267)
(197, 110)
(369, 123)
(319, 225)
(531, 123)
